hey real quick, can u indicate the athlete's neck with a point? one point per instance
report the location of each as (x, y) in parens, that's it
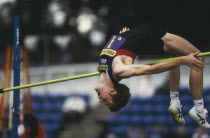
(103, 78)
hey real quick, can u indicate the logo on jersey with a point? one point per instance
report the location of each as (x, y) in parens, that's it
(120, 38)
(109, 52)
(103, 67)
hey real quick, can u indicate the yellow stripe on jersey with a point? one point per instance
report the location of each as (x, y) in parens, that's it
(111, 42)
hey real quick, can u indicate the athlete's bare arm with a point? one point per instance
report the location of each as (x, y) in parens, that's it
(121, 70)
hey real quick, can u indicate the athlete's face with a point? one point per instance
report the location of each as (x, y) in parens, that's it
(105, 94)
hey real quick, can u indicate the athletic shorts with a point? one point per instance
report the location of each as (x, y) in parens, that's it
(144, 39)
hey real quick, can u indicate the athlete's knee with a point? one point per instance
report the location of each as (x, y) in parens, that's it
(166, 50)
(169, 51)
(202, 59)
(168, 37)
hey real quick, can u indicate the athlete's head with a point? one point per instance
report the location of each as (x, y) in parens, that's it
(121, 98)
(115, 97)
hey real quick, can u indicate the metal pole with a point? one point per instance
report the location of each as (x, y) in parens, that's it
(16, 67)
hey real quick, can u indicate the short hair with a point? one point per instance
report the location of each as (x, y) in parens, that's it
(120, 99)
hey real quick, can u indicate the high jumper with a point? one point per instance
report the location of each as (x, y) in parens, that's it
(116, 63)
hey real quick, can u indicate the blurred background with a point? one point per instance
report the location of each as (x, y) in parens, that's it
(62, 38)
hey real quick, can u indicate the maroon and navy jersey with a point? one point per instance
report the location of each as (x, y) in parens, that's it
(143, 39)
(108, 53)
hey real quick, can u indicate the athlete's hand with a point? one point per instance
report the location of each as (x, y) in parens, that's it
(193, 62)
(125, 29)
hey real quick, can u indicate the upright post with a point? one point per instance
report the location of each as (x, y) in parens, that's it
(16, 67)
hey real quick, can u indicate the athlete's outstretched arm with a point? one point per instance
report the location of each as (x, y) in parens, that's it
(126, 71)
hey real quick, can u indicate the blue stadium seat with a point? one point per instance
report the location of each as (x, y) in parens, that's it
(151, 100)
(120, 136)
(58, 106)
(50, 98)
(186, 108)
(136, 119)
(161, 108)
(190, 129)
(206, 98)
(112, 119)
(123, 119)
(164, 120)
(61, 98)
(37, 107)
(147, 109)
(185, 90)
(144, 101)
(48, 106)
(175, 128)
(50, 127)
(122, 129)
(50, 135)
(134, 109)
(208, 131)
(42, 117)
(149, 120)
(150, 128)
(119, 130)
(125, 110)
(134, 100)
(57, 117)
(161, 99)
(186, 99)
(206, 91)
(208, 118)
(37, 98)
(131, 109)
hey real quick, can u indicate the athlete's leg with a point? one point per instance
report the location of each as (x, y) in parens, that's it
(175, 104)
(175, 45)
(174, 78)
